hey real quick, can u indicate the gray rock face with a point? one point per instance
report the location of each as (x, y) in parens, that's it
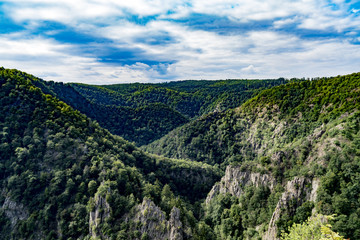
(175, 225)
(98, 216)
(153, 222)
(315, 186)
(14, 211)
(296, 191)
(152, 219)
(235, 180)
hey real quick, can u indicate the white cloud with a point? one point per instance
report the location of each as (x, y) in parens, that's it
(67, 12)
(52, 61)
(218, 61)
(70, 11)
(311, 14)
(249, 69)
(284, 22)
(197, 54)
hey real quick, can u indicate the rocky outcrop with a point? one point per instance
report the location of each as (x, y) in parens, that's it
(314, 188)
(97, 217)
(151, 221)
(175, 225)
(235, 180)
(14, 211)
(297, 191)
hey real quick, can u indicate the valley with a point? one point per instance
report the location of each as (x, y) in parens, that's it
(222, 159)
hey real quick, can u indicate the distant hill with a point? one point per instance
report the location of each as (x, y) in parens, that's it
(142, 113)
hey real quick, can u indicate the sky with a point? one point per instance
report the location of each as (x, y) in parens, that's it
(122, 41)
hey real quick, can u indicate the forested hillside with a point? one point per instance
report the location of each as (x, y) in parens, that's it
(289, 153)
(306, 129)
(274, 118)
(142, 113)
(60, 171)
(194, 98)
(141, 125)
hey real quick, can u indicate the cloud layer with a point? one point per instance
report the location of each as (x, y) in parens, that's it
(96, 41)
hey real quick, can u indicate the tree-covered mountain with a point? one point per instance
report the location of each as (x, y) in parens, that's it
(276, 117)
(289, 153)
(142, 113)
(60, 172)
(142, 124)
(307, 130)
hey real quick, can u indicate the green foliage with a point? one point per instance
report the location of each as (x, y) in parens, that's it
(55, 162)
(58, 165)
(288, 217)
(313, 228)
(237, 218)
(304, 128)
(294, 110)
(143, 113)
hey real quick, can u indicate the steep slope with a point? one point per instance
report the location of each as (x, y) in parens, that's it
(304, 130)
(289, 153)
(276, 117)
(141, 125)
(143, 113)
(64, 177)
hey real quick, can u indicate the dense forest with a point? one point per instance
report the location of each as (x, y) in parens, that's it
(273, 119)
(239, 159)
(57, 165)
(142, 113)
(306, 128)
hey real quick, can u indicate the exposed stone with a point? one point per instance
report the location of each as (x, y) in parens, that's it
(317, 133)
(278, 157)
(297, 192)
(98, 216)
(152, 219)
(313, 194)
(14, 211)
(315, 186)
(175, 225)
(153, 222)
(235, 180)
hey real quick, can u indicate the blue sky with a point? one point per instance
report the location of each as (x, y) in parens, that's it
(112, 41)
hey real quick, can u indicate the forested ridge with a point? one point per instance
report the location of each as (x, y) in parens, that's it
(248, 164)
(294, 110)
(55, 162)
(307, 128)
(142, 113)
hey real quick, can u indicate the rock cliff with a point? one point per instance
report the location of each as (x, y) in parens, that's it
(151, 221)
(235, 180)
(97, 217)
(297, 191)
